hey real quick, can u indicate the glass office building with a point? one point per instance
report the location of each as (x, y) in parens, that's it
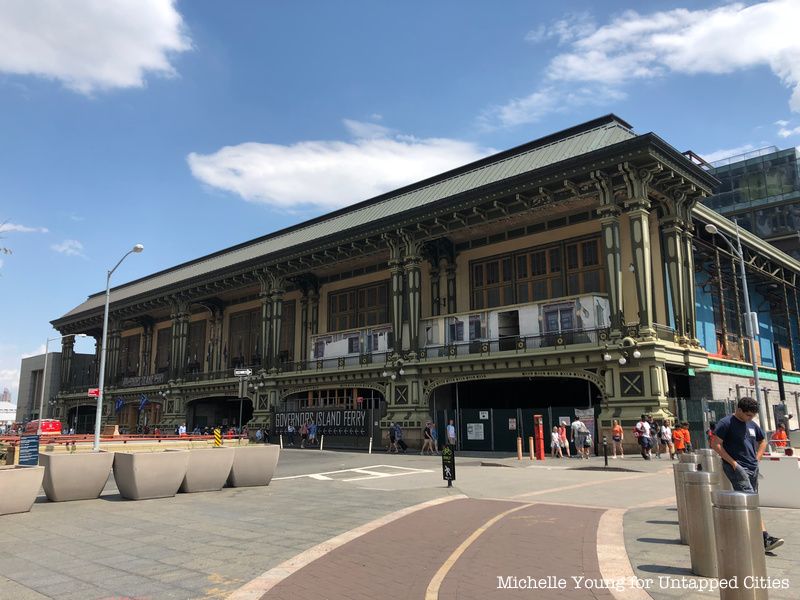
(761, 189)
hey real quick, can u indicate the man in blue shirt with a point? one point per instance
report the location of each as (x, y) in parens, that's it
(741, 443)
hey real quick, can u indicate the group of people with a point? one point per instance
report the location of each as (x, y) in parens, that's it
(651, 435)
(307, 431)
(580, 436)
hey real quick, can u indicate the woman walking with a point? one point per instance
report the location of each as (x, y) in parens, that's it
(555, 444)
(617, 437)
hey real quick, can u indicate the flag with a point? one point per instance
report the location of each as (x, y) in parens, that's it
(143, 401)
(118, 404)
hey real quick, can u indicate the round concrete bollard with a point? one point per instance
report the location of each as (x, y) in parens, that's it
(740, 544)
(680, 497)
(699, 511)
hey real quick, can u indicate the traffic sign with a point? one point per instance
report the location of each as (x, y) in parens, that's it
(94, 392)
(243, 372)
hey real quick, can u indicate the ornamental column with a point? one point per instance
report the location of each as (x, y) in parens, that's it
(690, 310)
(112, 351)
(436, 304)
(673, 246)
(180, 334)
(147, 347)
(609, 221)
(638, 206)
(265, 331)
(413, 273)
(396, 269)
(67, 352)
(276, 297)
(304, 326)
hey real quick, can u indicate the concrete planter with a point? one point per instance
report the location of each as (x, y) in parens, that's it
(18, 488)
(80, 476)
(208, 469)
(145, 475)
(253, 465)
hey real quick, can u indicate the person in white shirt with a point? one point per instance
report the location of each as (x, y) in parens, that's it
(580, 435)
(666, 438)
(643, 435)
(451, 433)
(555, 444)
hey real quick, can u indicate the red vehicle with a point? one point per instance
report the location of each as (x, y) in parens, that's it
(49, 427)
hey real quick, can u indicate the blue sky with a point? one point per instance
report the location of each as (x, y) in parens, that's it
(192, 126)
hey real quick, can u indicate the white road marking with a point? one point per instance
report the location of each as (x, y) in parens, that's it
(364, 472)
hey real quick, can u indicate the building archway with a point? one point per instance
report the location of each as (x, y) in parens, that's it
(219, 411)
(132, 420)
(82, 418)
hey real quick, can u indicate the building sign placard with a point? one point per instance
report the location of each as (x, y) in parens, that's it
(512, 424)
(483, 415)
(332, 422)
(29, 450)
(475, 431)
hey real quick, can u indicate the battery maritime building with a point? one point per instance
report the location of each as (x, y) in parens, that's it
(570, 273)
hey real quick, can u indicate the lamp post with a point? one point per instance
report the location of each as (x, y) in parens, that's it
(44, 374)
(751, 323)
(98, 416)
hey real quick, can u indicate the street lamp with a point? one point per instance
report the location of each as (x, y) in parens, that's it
(44, 374)
(751, 322)
(96, 447)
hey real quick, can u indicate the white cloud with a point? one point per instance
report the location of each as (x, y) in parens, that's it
(91, 45)
(69, 247)
(781, 123)
(785, 132)
(635, 46)
(325, 175)
(716, 155)
(7, 227)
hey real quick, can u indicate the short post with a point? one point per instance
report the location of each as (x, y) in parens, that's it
(680, 497)
(217, 437)
(280, 440)
(740, 545)
(448, 464)
(605, 450)
(519, 447)
(370, 445)
(530, 447)
(703, 546)
(321, 441)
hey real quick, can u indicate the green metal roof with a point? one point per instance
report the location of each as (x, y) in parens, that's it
(530, 157)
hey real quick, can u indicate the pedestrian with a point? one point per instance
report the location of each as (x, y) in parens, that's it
(710, 433)
(392, 438)
(580, 435)
(617, 437)
(435, 438)
(555, 444)
(290, 434)
(451, 433)
(427, 440)
(779, 437)
(665, 433)
(654, 437)
(741, 444)
(312, 433)
(678, 439)
(259, 435)
(687, 437)
(303, 435)
(642, 433)
(398, 434)
(562, 435)
(182, 429)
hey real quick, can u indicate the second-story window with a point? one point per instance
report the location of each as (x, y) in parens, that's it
(195, 347)
(359, 307)
(129, 356)
(163, 343)
(244, 339)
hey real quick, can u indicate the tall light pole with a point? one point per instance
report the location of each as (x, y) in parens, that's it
(44, 374)
(751, 320)
(96, 447)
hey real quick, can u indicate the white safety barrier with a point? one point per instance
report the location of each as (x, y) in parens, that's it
(779, 481)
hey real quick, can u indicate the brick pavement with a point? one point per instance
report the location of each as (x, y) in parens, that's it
(400, 559)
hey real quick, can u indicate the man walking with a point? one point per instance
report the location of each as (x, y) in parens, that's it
(643, 435)
(579, 437)
(451, 433)
(741, 443)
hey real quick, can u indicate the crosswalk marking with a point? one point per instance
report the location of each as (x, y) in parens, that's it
(362, 473)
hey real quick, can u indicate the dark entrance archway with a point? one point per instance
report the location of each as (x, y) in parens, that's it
(82, 418)
(490, 414)
(218, 412)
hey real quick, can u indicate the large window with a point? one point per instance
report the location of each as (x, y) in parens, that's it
(195, 347)
(129, 356)
(244, 339)
(163, 346)
(569, 268)
(358, 307)
(286, 350)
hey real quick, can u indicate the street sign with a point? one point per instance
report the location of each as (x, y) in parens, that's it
(29, 450)
(243, 372)
(448, 465)
(94, 392)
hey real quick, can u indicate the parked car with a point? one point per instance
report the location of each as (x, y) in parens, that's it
(49, 427)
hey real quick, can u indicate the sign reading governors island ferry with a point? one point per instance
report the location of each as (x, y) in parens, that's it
(331, 422)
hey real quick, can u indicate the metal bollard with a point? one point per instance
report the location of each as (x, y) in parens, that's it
(724, 483)
(705, 458)
(740, 545)
(688, 457)
(699, 511)
(680, 497)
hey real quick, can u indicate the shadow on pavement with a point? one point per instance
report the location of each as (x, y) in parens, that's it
(659, 541)
(664, 570)
(663, 522)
